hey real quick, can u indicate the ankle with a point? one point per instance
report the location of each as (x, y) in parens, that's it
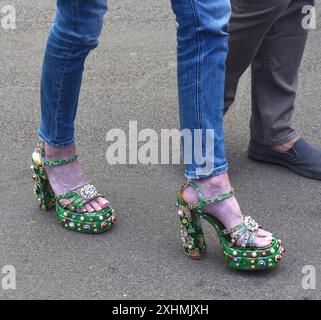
(286, 146)
(210, 187)
(216, 184)
(54, 153)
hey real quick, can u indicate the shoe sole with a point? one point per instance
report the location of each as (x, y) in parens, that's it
(283, 163)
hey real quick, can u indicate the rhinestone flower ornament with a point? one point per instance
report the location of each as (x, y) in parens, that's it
(251, 224)
(88, 192)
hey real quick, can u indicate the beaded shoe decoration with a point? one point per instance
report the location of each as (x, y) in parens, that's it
(70, 215)
(244, 257)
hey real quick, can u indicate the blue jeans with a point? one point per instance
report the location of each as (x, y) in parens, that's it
(202, 49)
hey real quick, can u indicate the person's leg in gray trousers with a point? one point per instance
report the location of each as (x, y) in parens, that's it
(268, 35)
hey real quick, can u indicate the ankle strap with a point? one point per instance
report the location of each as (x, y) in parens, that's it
(201, 202)
(40, 152)
(47, 164)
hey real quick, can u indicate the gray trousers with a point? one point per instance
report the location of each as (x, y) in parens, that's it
(268, 35)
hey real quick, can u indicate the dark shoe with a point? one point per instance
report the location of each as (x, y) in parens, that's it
(303, 159)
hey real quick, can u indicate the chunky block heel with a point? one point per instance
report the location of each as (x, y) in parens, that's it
(42, 189)
(244, 257)
(70, 215)
(192, 235)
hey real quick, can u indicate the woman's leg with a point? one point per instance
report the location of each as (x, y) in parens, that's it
(75, 32)
(202, 48)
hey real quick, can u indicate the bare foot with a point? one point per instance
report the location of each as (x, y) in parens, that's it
(66, 178)
(228, 211)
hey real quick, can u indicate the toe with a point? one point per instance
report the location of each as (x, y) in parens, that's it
(258, 241)
(103, 202)
(64, 202)
(89, 208)
(262, 242)
(263, 233)
(96, 205)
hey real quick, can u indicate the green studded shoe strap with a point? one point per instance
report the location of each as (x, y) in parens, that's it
(40, 147)
(247, 229)
(231, 230)
(197, 189)
(202, 202)
(221, 197)
(47, 164)
(41, 150)
(75, 201)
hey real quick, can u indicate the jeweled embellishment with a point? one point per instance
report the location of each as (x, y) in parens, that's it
(180, 213)
(71, 225)
(86, 228)
(104, 225)
(194, 252)
(88, 192)
(262, 264)
(278, 258)
(37, 159)
(251, 224)
(184, 222)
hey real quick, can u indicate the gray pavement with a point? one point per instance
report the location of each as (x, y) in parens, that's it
(132, 77)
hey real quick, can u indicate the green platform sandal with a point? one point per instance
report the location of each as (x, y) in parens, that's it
(70, 216)
(244, 257)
